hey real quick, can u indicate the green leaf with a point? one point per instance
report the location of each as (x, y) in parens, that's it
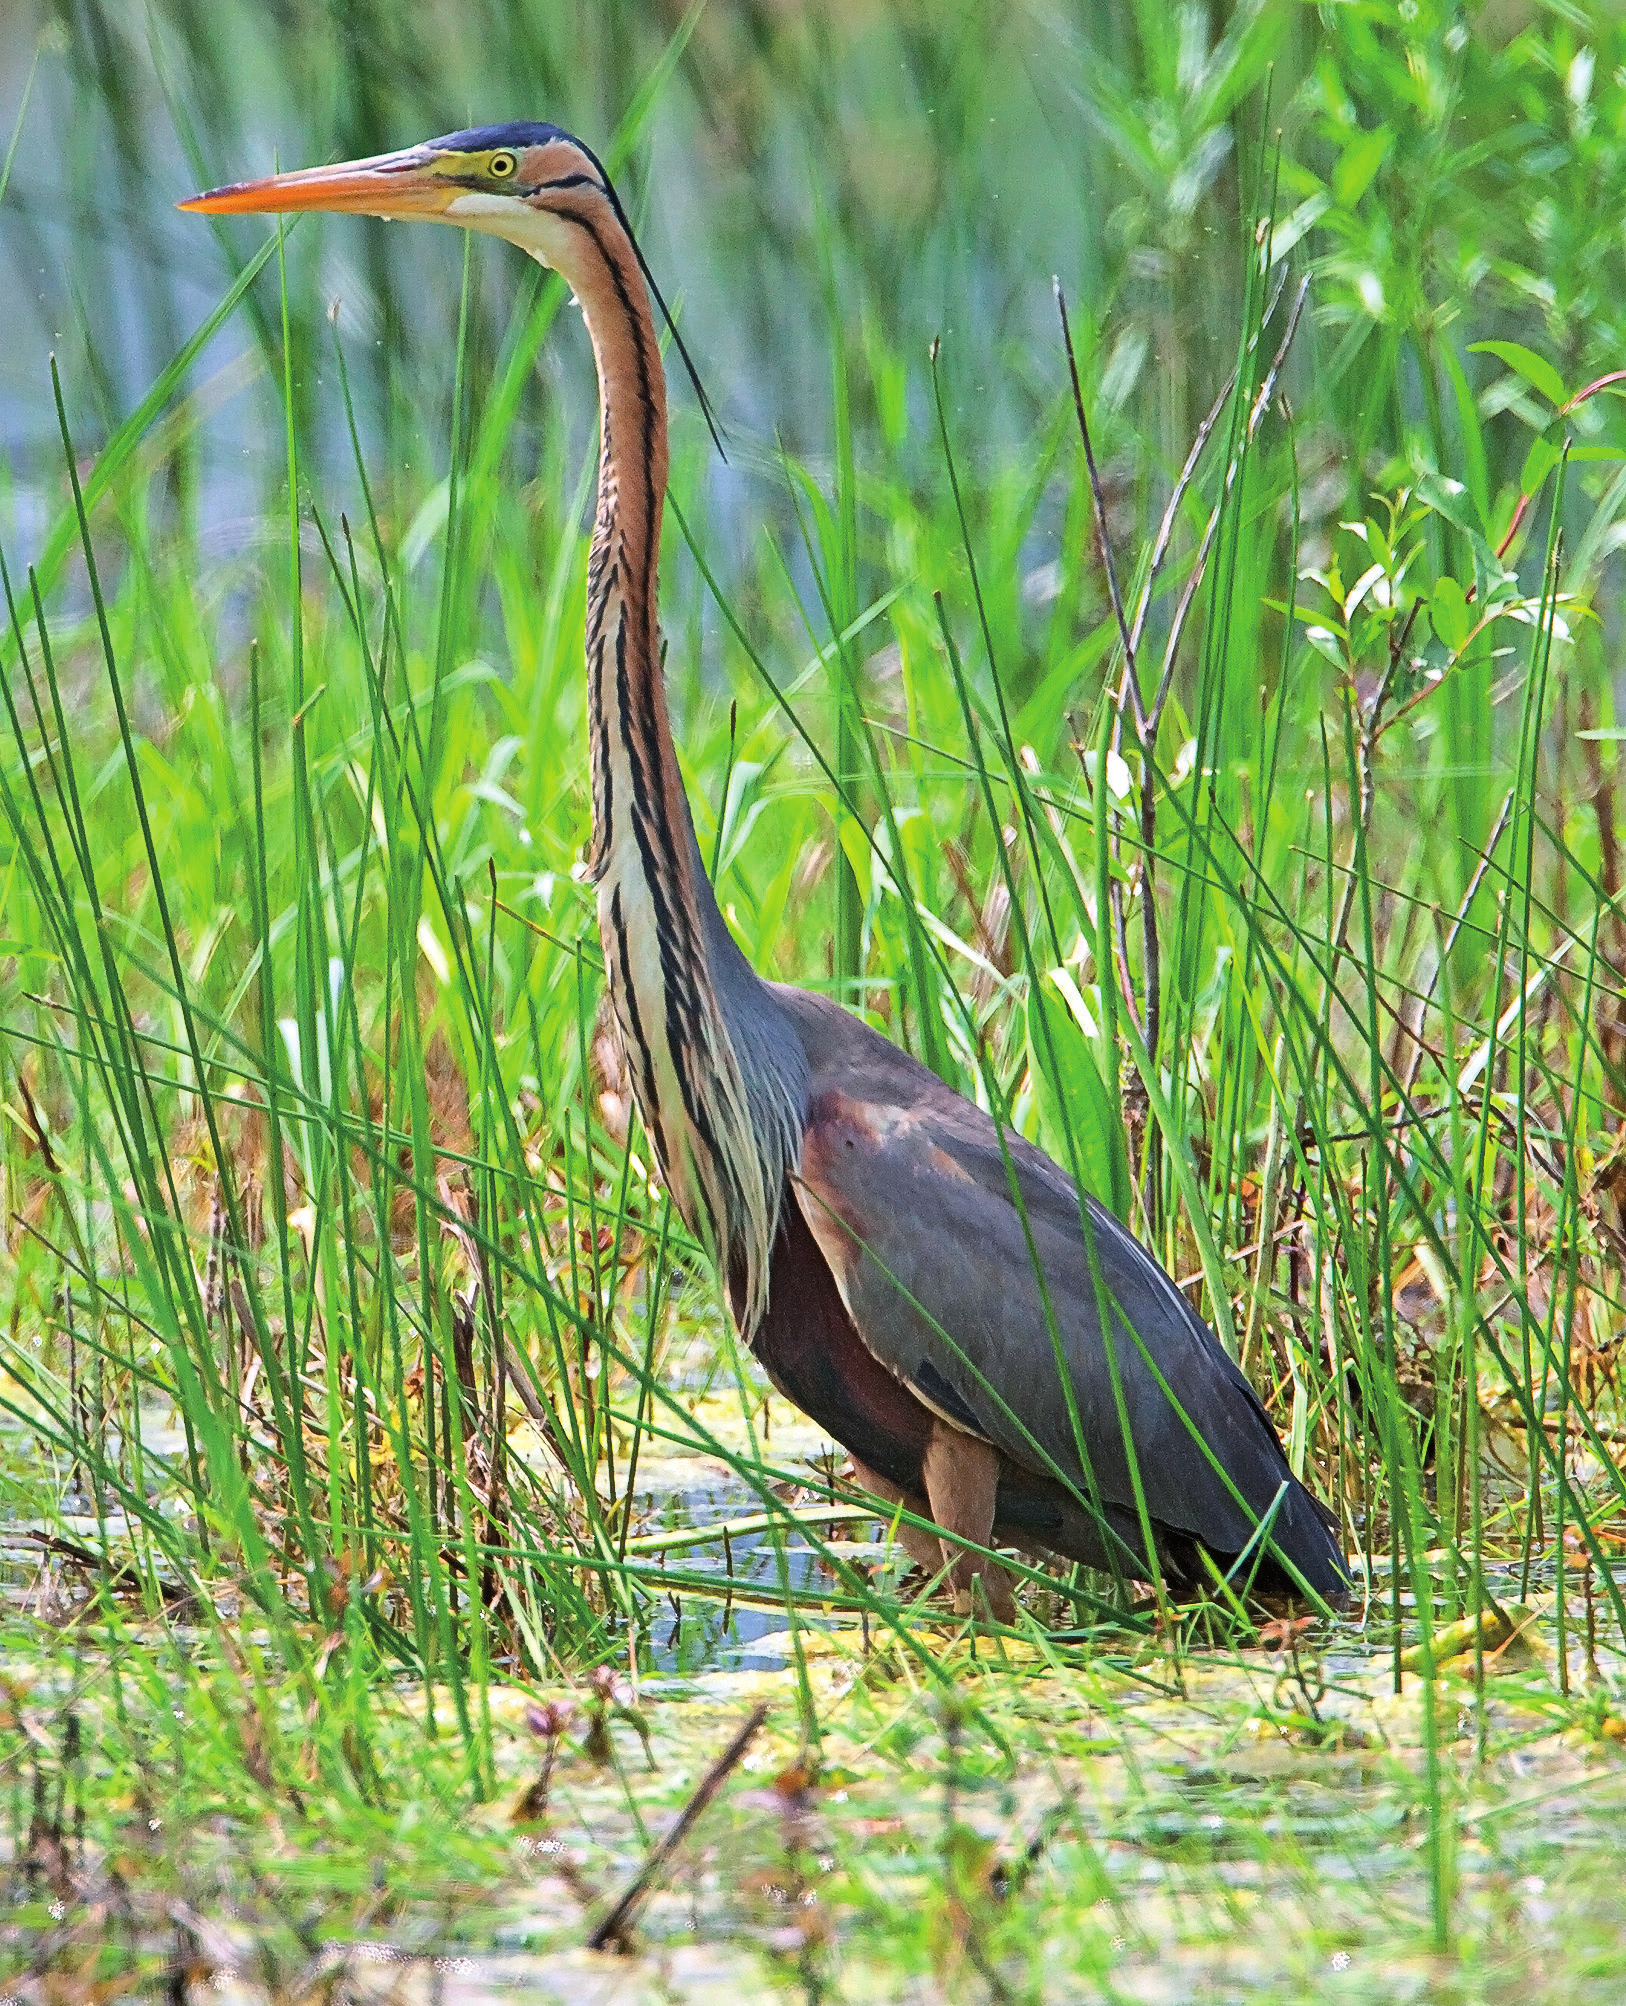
(1378, 544)
(1448, 609)
(1325, 642)
(1539, 462)
(1069, 1095)
(1535, 369)
(1448, 498)
(854, 841)
(1473, 438)
(1357, 164)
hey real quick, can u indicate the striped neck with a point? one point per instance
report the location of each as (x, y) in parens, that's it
(719, 1093)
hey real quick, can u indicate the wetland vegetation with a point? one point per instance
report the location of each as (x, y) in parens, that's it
(408, 1587)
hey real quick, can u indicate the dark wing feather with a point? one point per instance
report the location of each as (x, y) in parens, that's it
(907, 1192)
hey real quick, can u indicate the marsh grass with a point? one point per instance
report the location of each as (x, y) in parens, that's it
(1255, 851)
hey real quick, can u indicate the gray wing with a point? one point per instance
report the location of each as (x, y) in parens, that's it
(906, 1190)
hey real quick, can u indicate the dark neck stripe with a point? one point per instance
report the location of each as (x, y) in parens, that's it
(653, 890)
(643, 335)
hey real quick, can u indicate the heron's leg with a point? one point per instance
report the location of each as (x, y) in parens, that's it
(921, 1548)
(962, 1483)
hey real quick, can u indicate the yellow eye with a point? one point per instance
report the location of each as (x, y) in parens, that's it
(501, 165)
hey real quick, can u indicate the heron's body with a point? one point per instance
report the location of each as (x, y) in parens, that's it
(862, 1214)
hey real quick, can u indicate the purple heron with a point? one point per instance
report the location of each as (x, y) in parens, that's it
(1007, 1363)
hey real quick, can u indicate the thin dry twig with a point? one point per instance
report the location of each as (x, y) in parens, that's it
(1096, 497)
(612, 1931)
(120, 1577)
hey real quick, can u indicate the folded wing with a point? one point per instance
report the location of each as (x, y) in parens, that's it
(967, 1296)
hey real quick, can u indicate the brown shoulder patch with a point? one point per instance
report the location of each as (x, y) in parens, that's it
(834, 1114)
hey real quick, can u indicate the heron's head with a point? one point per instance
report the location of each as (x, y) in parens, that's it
(537, 186)
(533, 184)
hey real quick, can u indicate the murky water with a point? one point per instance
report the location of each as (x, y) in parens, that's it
(688, 1634)
(685, 1634)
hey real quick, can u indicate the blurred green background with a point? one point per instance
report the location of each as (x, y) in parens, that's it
(892, 172)
(914, 170)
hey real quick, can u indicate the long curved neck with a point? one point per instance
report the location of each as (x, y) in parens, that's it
(716, 1101)
(631, 729)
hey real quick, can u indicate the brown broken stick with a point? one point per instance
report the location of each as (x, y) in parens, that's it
(124, 1579)
(612, 1931)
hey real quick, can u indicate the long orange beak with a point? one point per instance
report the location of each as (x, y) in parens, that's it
(390, 184)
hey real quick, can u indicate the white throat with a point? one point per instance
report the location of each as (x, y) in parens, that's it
(536, 231)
